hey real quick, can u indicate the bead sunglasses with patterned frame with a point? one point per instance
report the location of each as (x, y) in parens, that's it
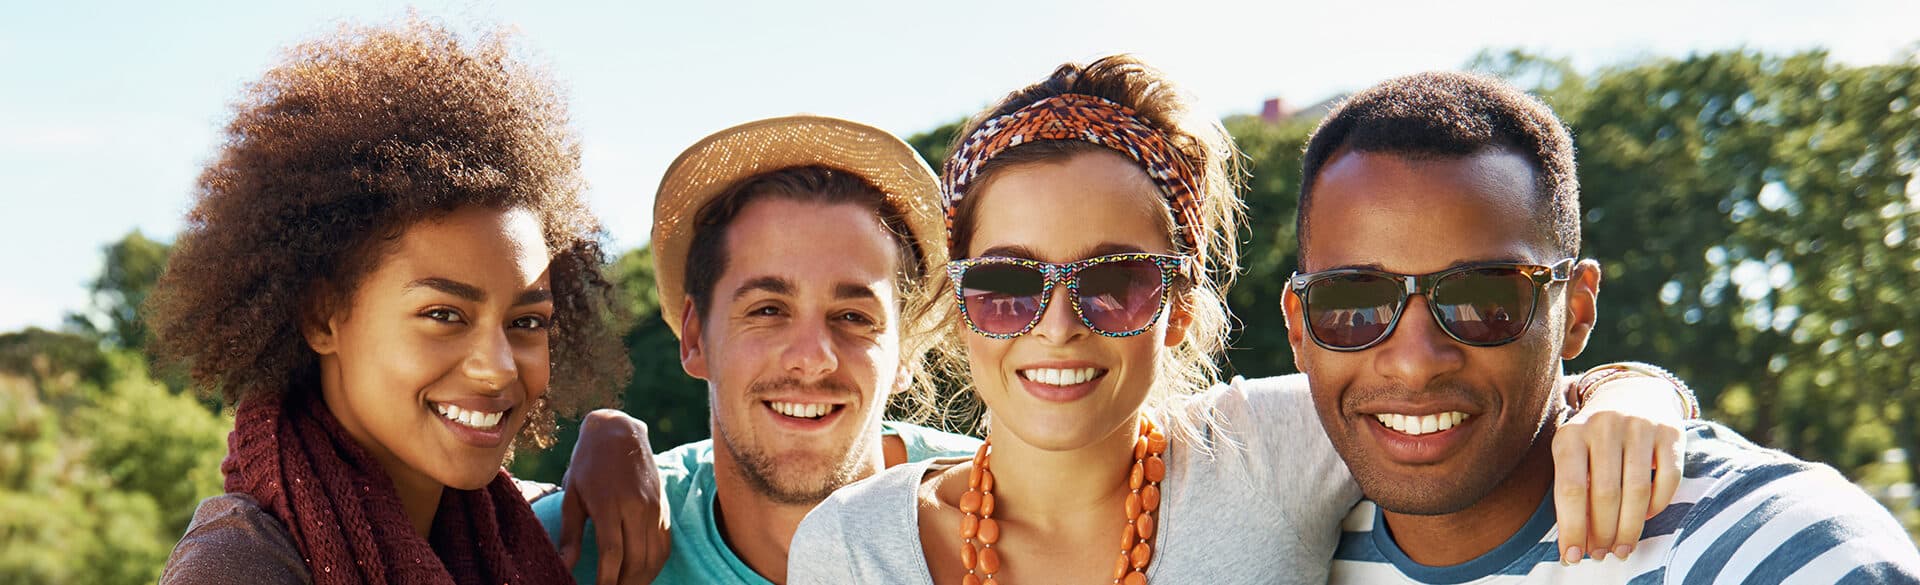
(1117, 295)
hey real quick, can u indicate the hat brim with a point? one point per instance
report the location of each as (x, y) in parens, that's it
(716, 163)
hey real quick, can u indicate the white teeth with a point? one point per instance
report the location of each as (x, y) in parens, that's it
(801, 410)
(472, 418)
(1060, 377)
(1421, 425)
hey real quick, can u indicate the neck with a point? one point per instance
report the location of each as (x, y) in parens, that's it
(1055, 491)
(1451, 539)
(758, 529)
(419, 494)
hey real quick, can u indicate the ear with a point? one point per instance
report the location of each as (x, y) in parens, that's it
(1583, 297)
(902, 380)
(1179, 319)
(693, 352)
(1294, 311)
(318, 325)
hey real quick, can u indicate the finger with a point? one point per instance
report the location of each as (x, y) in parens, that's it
(1570, 493)
(1636, 487)
(634, 524)
(573, 517)
(1669, 453)
(612, 551)
(1604, 489)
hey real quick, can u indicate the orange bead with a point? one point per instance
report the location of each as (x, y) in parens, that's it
(989, 531)
(1126, 542)
(1157, 442)
(969, 526)
(989, 561)
(1156, 469)
(973, 478)
(986, 481)
(968, 556)
(1133, 479)
(1142, 553)
(986, 505)
(970, 502)
(1135, 578)
(1144, 526)
(1133, 505)
(990, 581)
(1139, 449)
(1150, 497)
(1120, 567)
(971, 579)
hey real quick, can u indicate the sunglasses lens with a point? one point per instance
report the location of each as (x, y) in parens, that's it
(1486, 306)
(1120, 297)
(1001, 299)
(1351, 310)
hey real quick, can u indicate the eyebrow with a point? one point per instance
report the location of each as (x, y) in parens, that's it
(848, 291)
(473, 293)
(453, 287)
(1103, 249)
(771, 284)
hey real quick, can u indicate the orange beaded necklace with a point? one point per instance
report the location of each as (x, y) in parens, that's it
(980, 533)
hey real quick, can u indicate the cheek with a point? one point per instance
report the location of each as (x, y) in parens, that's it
(534, 359)
(395, 356)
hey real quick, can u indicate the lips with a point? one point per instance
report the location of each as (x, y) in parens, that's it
(1417, 425)
(1060, 376)
(479, 421)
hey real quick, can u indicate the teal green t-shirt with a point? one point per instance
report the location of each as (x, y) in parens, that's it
(699, 554)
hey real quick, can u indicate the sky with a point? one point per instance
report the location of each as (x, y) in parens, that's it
(109, 110)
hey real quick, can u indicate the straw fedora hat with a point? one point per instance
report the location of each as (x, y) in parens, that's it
(716, 163)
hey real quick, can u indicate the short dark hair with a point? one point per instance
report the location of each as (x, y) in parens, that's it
(1449, 115)
(707, 253)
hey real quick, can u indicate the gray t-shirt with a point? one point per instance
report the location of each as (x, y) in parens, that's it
(1259, 499)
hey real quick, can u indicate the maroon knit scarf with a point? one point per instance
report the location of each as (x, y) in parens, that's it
(346, 518)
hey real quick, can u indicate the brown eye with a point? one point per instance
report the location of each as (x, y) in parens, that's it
(531, 322)
(445, 316)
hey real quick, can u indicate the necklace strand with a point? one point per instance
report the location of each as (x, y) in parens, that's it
(980, 532)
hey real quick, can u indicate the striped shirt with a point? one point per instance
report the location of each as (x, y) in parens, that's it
(1743, 514)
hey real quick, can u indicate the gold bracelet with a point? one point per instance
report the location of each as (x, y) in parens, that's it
(1589, 382)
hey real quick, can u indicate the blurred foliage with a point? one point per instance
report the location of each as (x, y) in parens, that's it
(1756, 216)
(101, 467)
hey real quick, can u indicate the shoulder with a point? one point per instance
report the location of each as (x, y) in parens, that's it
(927, 443)
(868, 530)
(233, 540)
(1764, 514)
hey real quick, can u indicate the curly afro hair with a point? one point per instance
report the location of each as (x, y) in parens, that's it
(340, 147)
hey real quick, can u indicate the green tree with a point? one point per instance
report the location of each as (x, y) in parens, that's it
(132, 265)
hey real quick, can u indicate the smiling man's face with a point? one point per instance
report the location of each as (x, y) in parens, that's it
(800, 346)
(1418, 216)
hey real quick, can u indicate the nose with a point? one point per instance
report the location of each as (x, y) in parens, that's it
(491, 361)
(1059, 324)
(809, 354)
(1418, 351)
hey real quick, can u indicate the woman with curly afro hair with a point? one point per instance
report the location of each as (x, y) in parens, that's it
(390, 272)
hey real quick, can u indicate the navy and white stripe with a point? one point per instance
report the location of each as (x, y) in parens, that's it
(1743, 514)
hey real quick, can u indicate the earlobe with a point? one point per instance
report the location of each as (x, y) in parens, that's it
(1179, 319)
(1291, 311)
(693, 357)
(318, 330)
(1583, 297)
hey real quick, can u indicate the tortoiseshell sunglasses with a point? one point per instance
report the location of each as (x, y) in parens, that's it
(1485, 304)
(1117, 295)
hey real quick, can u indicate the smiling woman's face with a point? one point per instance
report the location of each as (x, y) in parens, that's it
(1092, 204)
(442, 350)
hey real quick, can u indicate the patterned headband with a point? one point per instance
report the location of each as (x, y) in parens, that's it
(1085, 118)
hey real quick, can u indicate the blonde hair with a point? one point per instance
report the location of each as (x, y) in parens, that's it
(1199, 142)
